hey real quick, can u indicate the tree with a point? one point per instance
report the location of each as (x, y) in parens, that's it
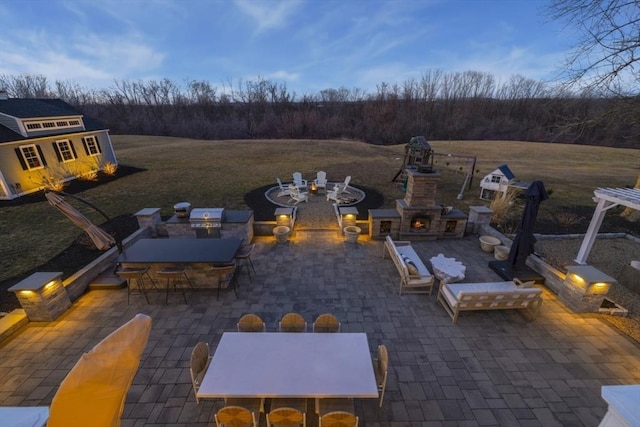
(606, 58)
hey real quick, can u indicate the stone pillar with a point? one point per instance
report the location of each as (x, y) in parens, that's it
(149, 217)
(42, 296)
(479, 216)
(584, 288)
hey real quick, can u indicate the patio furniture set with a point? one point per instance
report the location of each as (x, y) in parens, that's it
(299, 189)
(415, 277)
(288, 367)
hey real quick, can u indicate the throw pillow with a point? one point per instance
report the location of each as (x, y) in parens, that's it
(413, 270)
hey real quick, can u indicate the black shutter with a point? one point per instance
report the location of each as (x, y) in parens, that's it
(44, 161)
(86, 149)
(57, 150)
(22, 162)
(97, 144)
(73, 150)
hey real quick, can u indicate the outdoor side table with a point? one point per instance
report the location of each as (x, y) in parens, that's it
(42, 296)
(447, 270)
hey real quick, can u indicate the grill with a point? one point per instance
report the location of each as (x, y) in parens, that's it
(206, 221)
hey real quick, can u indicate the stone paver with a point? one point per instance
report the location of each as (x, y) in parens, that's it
(491, 368)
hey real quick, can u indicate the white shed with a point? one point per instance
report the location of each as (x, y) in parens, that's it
(496, 181)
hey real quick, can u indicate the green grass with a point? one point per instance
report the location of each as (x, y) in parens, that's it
(219, 173)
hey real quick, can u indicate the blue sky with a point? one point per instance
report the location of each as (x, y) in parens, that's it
(309, 45)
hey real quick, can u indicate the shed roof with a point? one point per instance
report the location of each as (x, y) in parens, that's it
(506, 171)
(25, 108)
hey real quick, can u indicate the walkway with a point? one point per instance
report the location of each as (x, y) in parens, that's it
(491, 368)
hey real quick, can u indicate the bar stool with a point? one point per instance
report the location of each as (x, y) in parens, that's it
(175, 273)
(132, 274)
(244, 254)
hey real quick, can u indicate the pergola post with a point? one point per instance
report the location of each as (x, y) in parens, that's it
(592, 231)
(607, 198)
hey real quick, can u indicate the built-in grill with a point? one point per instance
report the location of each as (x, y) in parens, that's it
(206, 221)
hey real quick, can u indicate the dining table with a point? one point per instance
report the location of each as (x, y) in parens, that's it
(290, 365)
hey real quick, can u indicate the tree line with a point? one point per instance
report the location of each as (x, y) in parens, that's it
(440, 105)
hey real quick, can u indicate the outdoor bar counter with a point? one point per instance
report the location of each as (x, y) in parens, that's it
(198, 255)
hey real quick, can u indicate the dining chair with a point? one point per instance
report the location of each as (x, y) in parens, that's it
(326, 322)
(227, 277)
(380, 369)
(336, 412)
(287, 413)
(244, 255)
(292, 322)
(136, 281)
(251, 323)
(232, 415)
(175, 274)
(198, 365)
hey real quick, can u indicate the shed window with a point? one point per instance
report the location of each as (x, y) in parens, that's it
(64, 150)
(31, 157)
(91, 146)
(496, 179)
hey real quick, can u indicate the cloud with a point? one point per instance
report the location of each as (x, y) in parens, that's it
(283, 75)
(268, 14)
(92, 60)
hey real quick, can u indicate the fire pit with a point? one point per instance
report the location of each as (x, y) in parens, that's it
(313, 188)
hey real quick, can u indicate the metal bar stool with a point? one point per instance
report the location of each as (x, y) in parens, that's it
(132, 274)
(226, 274)
(175, 273)
(244, 254)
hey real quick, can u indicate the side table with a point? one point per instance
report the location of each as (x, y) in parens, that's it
(447, 270)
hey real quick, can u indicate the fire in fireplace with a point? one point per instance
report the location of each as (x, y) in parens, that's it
(420, 223)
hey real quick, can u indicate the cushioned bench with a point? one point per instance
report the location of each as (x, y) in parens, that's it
(457, 297)
(415, 277)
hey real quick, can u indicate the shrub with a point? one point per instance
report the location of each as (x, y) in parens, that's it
(109, 169)
(566, 219)
(502, 206)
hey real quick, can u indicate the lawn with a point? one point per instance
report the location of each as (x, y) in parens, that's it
(219, 173)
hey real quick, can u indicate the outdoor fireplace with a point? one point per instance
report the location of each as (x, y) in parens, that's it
(420, 223)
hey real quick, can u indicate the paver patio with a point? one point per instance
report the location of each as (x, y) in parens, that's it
(491, 368)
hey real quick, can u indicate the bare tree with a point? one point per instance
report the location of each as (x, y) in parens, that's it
(606, 58)
(606, 55)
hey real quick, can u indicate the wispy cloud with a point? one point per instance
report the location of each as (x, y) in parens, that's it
(269, 14)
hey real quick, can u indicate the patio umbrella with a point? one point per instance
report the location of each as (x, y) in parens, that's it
(100, 238)
(523, 243)
(93, 393)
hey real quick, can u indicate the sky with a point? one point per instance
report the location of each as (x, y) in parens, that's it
(308, 45)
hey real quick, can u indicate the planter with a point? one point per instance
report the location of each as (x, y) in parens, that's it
(488, 243)
(281, 233)
(501, 252)
(351, 233)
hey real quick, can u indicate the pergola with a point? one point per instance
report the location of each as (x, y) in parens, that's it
(606, 199)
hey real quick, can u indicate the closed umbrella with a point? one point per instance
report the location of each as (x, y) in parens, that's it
(523, 243)
(100, 238)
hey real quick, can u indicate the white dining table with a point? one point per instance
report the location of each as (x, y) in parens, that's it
(281, 364)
